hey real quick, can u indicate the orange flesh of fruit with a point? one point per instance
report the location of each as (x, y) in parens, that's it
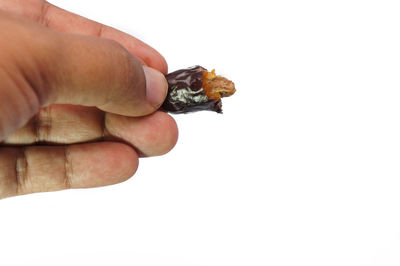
(217, 87)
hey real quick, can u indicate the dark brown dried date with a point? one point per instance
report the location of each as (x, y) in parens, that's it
(195, 89)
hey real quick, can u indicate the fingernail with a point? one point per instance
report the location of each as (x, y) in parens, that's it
(156, 86)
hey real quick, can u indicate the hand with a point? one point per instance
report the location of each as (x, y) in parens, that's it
(77, 108)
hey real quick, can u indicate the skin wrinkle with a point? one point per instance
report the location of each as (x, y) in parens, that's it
(43, 124)
(16, 178)
(101, 30)
(34, 87)
(21, 171)
(43, 18)
(49, 122)
(68, 170)
(104, 132)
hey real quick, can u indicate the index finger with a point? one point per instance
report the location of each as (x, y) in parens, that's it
(64, 21)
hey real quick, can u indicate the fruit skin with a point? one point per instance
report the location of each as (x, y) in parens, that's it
(195, 89)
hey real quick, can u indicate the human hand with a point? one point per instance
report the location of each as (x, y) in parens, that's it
(77, 109)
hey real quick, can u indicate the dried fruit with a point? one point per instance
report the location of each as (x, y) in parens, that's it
(196, 89)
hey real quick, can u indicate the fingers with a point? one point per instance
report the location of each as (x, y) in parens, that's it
(64, 21)
(98, 72)
(152, 135)
(41, 169)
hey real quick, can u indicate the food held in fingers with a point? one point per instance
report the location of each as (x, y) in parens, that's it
(196, 89)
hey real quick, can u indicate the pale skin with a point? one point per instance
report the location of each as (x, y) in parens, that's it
(78, 101)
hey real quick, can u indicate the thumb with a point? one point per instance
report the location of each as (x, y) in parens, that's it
(91, 71)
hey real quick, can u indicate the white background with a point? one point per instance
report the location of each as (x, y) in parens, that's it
(301, 169)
